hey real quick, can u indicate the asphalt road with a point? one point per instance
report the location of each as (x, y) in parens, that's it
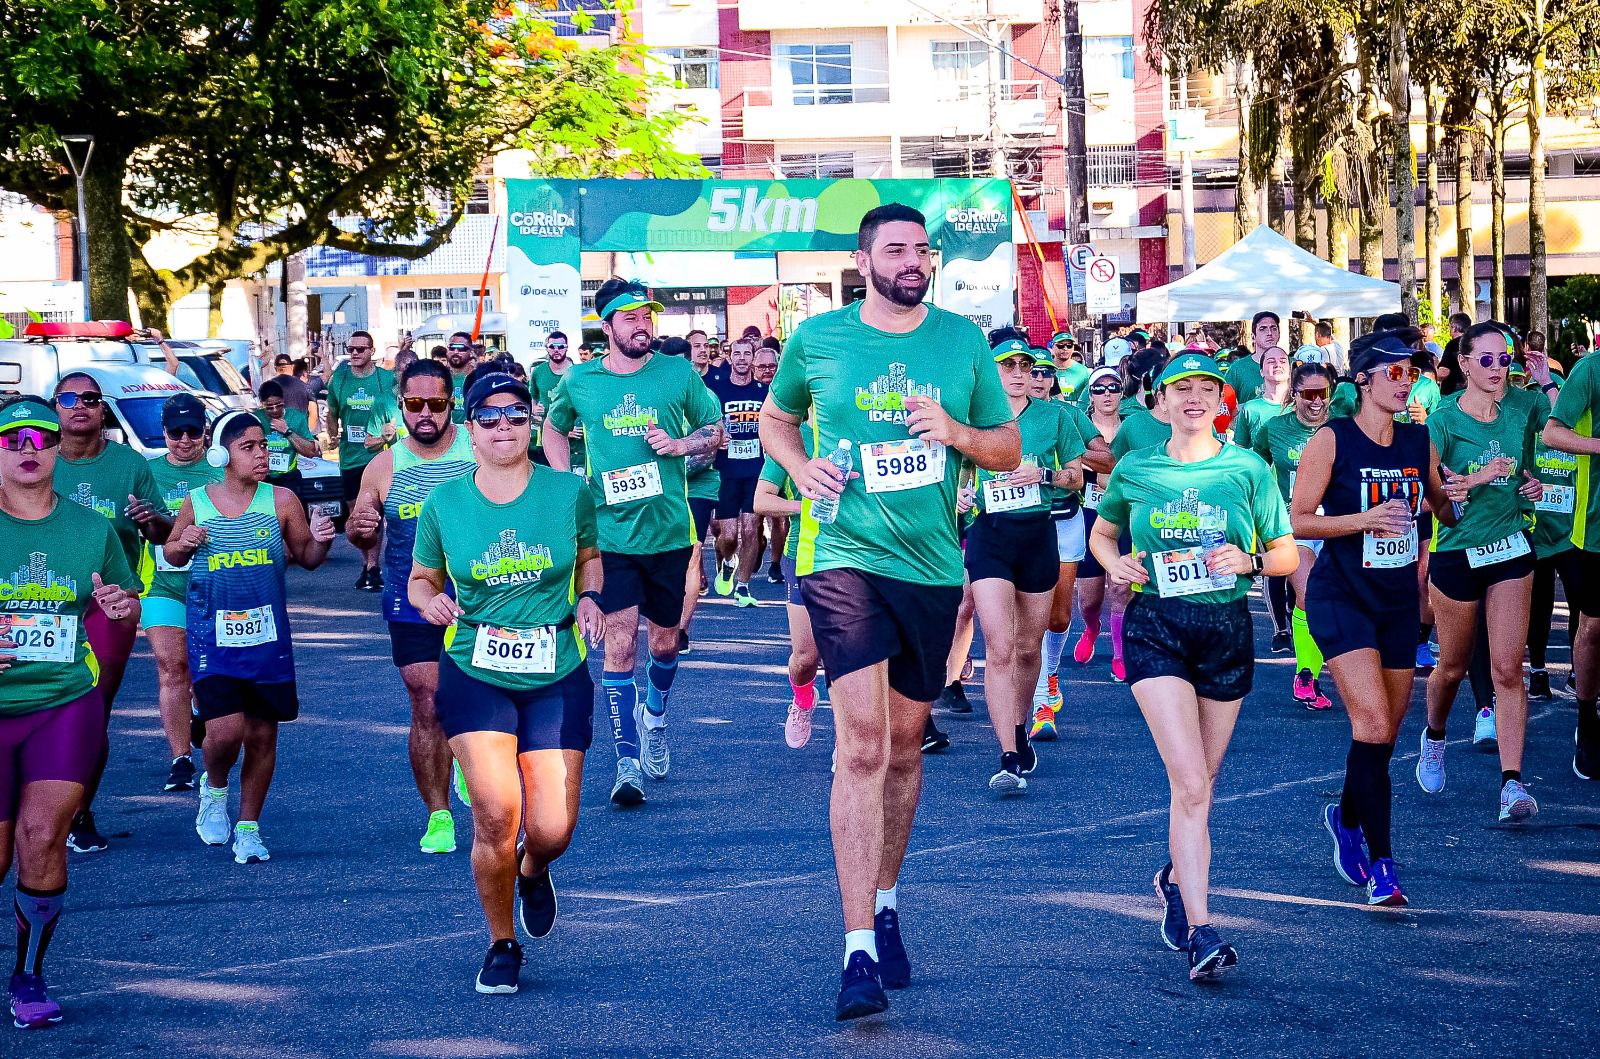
(706, 923)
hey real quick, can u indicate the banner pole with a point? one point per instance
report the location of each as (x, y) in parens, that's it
(483, 286)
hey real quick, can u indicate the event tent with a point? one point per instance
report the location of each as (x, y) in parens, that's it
(1266, 271)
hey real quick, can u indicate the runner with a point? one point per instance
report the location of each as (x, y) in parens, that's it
(1275, 398)
(1358, 492)
(1553, 550)
(901, 381)
(739, 463)
(288, 437)
(775, 495)
(644, 415)
(1200, 513)
(1105, 393)
(178, 471)
(241, 534)
(1485, 442)
(1281, 442)
(1012, 560)
(108, 478)
(60, 567)
(705, 485)
(363, 417)
(1244, 373)
(1071, 376)
(515, 697)
(458, 354)
(394, 487)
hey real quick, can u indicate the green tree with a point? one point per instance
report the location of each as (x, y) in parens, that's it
(261, 127)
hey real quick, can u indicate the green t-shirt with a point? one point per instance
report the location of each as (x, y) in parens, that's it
(1553, 515)
(1050, 439)
(1139, 431)
(1280, 442)
(1492, 512)
(1244, 375)
(1252, 416)
(458, 383)
(175, 481)
(772, 471)
(103, 484)
(47, 569)
(616, 411)
(542, 383)
(1575, 407)
(363, 405)
(855, 379)
(514, 565)
(1074, 383)
(1131, 406)
(705, 483)
(279, 450)
(1165, 504)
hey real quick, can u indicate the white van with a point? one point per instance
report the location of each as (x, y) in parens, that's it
(203, 369)
(436, 330)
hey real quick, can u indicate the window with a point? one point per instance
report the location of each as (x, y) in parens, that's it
(1111, 166)
(411, 307)
(820, 73)
(1106, 59)
(692, 67)
(961, 68)
(838, 165)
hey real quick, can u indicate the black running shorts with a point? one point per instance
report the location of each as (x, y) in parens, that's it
(1340, 625)
(860, 619)
(654, 583)
(411, 642)
(224, 696)
(558, 716)
(1020, 549)
(1210, 645)
(737, 496)
(1451, 574)
(701, 512)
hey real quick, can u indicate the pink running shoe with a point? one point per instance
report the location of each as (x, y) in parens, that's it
(1321, 701)
(797, 728)
(1083, 650)
(1119, 672)
(1305, 689)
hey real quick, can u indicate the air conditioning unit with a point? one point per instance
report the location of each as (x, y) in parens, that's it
(1102, 206)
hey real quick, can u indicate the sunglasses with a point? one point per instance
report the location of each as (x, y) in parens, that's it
(432, 404)
(517, 415)
(1103, 388)
(1488, 360)
(14, 440)
(179, 433)
(1043, 373)
(556, 345)
(73, 400)
(358, 349)
(458, 347)
(1318, 394)
(1400, 371)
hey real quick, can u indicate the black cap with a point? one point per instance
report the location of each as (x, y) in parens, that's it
(497, 382)
(183, 410)
(1371, 350)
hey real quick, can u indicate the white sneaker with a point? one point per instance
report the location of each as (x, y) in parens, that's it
(797, 729)
(1483, 732)
(654, 754)
(1430, 765)
(1516, 804)
(211, 822)
(247, 847)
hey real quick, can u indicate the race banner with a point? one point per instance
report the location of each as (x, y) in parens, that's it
(544, 266)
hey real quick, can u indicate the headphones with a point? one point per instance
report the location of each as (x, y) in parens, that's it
(217, 454)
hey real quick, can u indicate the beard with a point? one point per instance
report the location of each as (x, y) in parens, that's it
(427, 431)
(891, 287)
(636, 346)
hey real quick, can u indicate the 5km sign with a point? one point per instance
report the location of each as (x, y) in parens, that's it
(1103, 283)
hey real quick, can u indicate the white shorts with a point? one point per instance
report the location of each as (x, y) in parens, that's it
(1072, 544)
(1314, 547)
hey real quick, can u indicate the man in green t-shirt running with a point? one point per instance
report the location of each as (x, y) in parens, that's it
(364, 419)
(1244, 374)
(458, 355)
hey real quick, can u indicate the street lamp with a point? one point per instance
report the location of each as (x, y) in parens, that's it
(86, 143)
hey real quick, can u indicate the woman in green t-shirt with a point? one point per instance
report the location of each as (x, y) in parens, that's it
(1205, 518)
(1105, 394)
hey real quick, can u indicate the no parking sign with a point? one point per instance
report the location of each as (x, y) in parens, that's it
(1103, 282)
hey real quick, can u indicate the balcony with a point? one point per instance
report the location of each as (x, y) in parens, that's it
(871, 112)
(842, 14)
(464, 254)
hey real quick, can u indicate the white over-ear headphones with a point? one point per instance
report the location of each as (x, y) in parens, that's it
(217, 454)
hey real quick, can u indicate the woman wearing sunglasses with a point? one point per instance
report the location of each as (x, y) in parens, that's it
(1359, 490)
(1104, 395)
(1485, 440)
(515, 697)
(109, 478)
(58, 563)
(1281, 442)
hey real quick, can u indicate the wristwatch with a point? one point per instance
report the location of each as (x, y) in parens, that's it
(1258, 563)
(1049, 477)
(590, 595)
(1551, 385)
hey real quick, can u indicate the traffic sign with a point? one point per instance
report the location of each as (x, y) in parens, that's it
(1080, 254)
(1103, 283)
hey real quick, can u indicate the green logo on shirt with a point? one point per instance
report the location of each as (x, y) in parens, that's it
(1488, 456)
(885, 400)
(628, 419)
(510, 562)
(37, 583)
(85, 496)
(1186, 517)
(1556, 462)
(361, 399)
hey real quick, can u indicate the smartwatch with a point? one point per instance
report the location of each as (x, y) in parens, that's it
(1258, 563)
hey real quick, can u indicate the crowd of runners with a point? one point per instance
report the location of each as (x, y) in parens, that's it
(1405, 507)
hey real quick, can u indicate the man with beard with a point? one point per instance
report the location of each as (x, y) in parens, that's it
(699, 351)
(643, 415)
(393, 487)
(459, 355)
(738, 528)
(363, 417)
(881, 578)
(546, 374)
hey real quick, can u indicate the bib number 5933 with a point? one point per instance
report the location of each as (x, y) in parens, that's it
(627, 484)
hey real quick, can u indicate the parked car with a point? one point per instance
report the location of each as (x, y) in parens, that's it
(436, 330)
(202, 368)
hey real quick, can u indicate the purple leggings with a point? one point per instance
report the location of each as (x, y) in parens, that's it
(61, 743)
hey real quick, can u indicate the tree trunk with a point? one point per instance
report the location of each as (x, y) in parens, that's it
(1277, 215)
(1305, 206)
(1245, 217)
(1497, 209)
(1405, 177)
(109, 250)
(1432, 265)
(1466, 263)
(1538, 267)
(214, 294)
(1373, 207)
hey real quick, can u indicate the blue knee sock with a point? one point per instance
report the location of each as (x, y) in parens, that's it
(38, 911)
(662, 674)
(621, 697)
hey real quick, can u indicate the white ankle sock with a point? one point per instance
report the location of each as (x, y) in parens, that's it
(886, 899)
(860, 941)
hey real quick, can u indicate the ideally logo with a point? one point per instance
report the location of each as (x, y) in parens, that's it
(756, 213)
(1190, 363)
(885, 400)
(361, 399)
(628, 419)
(549, 224)
(36, 583)
(1488, 456)
(1185, 518)
(85, 496)
(20, 412)
(510, 562)
(174, 498)
(240, 557)
(530, 291)
(973, 220)
(1555, 461)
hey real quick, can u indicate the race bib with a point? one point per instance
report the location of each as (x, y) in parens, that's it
(355, 435)
(39, 637)
(890, 466)
(278, 462)
(246, 628)
(515, 650)
(1557, 499)
(1182, 572)
(748, 449)
(1000, 495)
(164, 567)
(627, 484)
(1388, 553)
(1093, 493)
(1499, 552)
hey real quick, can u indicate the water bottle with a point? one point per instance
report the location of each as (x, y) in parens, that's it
(1212, 537)
(826, 509)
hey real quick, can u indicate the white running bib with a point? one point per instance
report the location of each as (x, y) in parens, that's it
(627, 484)
(890, 466)
(1388, 553)
(278, 462)
(1501, 551)
(355, 435)
(37, 637)
(1093, 493)
(1183, 572)
(1000, 495)
(1557, 499)
(748, 449)
(164, 567)
(515, 650)
(246, 628)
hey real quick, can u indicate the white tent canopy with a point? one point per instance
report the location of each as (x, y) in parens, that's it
(1266, 271)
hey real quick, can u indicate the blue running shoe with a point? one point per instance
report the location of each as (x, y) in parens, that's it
(894, 966)
(1383, 888)
(860, 990)
(1349, 854)
(1174, 921)
(1425, 656)
(1209, 956)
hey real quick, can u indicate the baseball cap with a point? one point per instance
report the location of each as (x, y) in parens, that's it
(492, 384)
(1043, 359)
(1189, 366)
(1103, 373)
(282, 360)
(1114, 351)
(183, 410)
(1311, 354)
(1371, 350)
(1012, 347)
(633, 295)
(1059, 335)
(29, 412)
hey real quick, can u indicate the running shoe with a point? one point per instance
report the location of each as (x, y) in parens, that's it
(1052, 693)
(1305, 692)
(1009, 779)
(1585, 755)
(1349, 849)
(629, 788)
(1209, 956)
(181, 776)
(654, 753)
(1516, 804)
(211, 822)
(860, 989)
(361, 578)
(1483, 733)
(31, 1007)
(500, 967)
(536, 908)
(797, 727)
(441, 834)
(743, 598)
(247, 845)
(1426, 659)
(1119, 672)
(1044, 723)
(1083, 650)
(1028, 758)
(85, 837)
(894, 966)
(459, 782)
(1538, 684)
(1174, 921)
(1281, 642)
(1321, 702)
(774, 574)
(955, 698)
(933, 740)
(1383, 888)
(374, 580)
(1430, 764)
(683, 641)
(725, 572)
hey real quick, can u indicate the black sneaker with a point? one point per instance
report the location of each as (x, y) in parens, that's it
(1538, 684)
(197, 730)
(1009, 779)
(774, 574)
(1209, 956)
(860, 990)
(1281, 642)
(1174, 921)
(683, 641)
(85, 837)
(181, 778)
(374, 580)
(537, 908)
(958, 701)
(361, 579)
(500, 967)
(1027, 758)
(1586, 752)
(894, 967)
(933, 740)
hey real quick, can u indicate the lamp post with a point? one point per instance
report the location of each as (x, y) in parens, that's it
(86, 143)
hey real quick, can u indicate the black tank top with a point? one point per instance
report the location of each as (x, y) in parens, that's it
(1366, 474)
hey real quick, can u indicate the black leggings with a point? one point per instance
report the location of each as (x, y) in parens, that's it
(1278, 602)
(1479, 671)
(1567, 565)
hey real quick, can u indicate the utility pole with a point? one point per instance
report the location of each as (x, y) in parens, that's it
(1073, 104)
(994, 31)
(86, 145)
(1186, 177)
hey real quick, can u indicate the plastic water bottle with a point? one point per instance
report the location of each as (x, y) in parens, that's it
(826, 509)
(1213, 537)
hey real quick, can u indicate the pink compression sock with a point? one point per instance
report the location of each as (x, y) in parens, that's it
(1116, 635)
(805, 695)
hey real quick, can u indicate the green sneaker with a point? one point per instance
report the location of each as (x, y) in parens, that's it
(725, 572)
(460, 784)
(441, 836)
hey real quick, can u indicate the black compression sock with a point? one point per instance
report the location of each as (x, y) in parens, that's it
(1373, 794)
(1424, 632)
(1350, 797)
(1436, 734)
(1507, 775)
